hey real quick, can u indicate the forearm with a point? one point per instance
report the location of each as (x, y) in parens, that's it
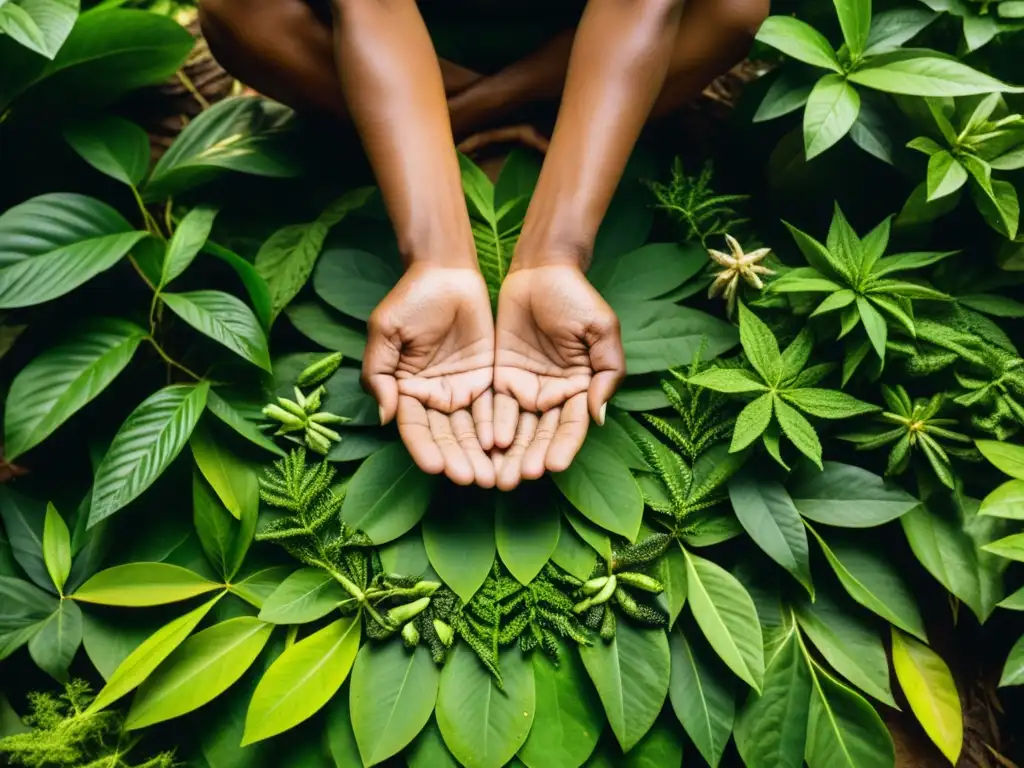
(394, 91)
(618, 65)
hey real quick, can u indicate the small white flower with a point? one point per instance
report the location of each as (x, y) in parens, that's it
(737, 264)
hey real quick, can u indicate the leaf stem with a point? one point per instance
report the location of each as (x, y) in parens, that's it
(151, 223)
(167, 214)
(171, 361)
(142, 274)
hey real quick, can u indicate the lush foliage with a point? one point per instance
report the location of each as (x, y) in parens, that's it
(219, 538)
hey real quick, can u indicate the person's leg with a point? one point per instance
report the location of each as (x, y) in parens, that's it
(285, 50)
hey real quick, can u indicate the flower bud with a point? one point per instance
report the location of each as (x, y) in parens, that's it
(410, 635)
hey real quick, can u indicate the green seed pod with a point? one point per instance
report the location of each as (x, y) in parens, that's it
(312, 404)
(606, 591)
(410, 635)
(642, 552)
(327, 432)
(594, 586)
(403, 613)
(319, 370)
(444, 633)
(287, 419)
(638, 611)
(584, 605)
(426, 588)
(292, 407)
(608, 626)
(317, 443)
(325, 417)
(300, 398)
(641, 581)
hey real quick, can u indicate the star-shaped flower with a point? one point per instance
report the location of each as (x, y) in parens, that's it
(737, 264)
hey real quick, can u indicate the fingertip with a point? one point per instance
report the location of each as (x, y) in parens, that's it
(506, 421)
(384, 389)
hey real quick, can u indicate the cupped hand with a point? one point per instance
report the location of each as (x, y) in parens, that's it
(558, 361)
(429, 361)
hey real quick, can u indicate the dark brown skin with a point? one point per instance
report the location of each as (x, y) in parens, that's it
(553, 357)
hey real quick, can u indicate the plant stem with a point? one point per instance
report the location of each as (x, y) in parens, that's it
(142, 274)
(167, 216)
(191, 88)
(151, 224)
(171, 361)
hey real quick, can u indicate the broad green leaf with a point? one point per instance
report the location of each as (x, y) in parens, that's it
(929, 687)
(827, 403)
(429, 750)
(112, 145)
(752, 422)
(54, 243)
(391, 697)
(144, 660)
(526, 531)
(726, 615)
(798, 430)
(64, 378)
(616, 436)
(831, 111)
(23, 605)
(214, 526)
(786, 94)
(647, 273)
(145, 445)
(874, 324)
(1014, 602)
(702, 694)
(338, 733)
(760, 346)
(658, 335)
(485, 726)
(238, 134)
(851, 645)
(771, 728)
(189, 237)
(599, 484)
(55, 643)
(142, 584)
(569, 718)
(478, 188)
(354, 281)
(235, 481)
(855, 20)
(631, 674)
(661, 747)
(286, 260)
(302, 680)
(843, 730)
(573, 555)
(798, 40)
(993, 304)
(405, 556)
(227, 413)
(670, 570)
(224, 319)
(769, 516)
(891, 29)
(817, 255)
(321, 324)
(1006, 457)
(849, 497)
(307, 595)
(388, 494)
(874, 581)
(730, 380)
(202, 668)
(460, 544)
(109, 641)
(597, 538)
(56, 547)
(1010, 547)
(255, 286)
(915, 74)
(257, 587)
(23, 521)
(945, 175)
(1005, 501)
(1013, 669)
(41, 26)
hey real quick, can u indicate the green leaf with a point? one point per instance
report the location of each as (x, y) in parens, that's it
(1006, 457)
(702, 695)
(831, 111)
(189, 237)
(569, 717)
(874, 324)
(798, 430)
(485, 726)
(149, 440)
(1014, 602)
(640, 398)
(257, 587)
(353, 281)
(460, 544)
(849, 644)
(392, 696)
(929, 687)
(64, 378)
(798, 40)
(945, 175)
(875, 582)
(670, 570)
(768, 515)
(255, 286)
(388, 494)
(573, 554)
(338, 733)
(1010, 547)
(912, 74)
(302, 680)
(228, 414)
(56, 547)
(631, 674)
(771, 728)
(729, 380)
(202, 668)
(647, 273)
(234, 480)
(752, 422)
(1013, 670)
(658, 335)
(855, 20)
(286, 259)
(41, 26)
(849, 497)
(828, 403)
(23, 605)
(599, 484)
(215, 527)
(54, 243)
(142, 584)
(909, 261)
(1005, 501)
(24, 521)
(726, 615)
(142, 662)
(526, 531)
(111, 145)
(843, 730)
(236, 134)
(429, 750)
(993, 304)
(760, 346)
(55, 643)
(320, 324)
(786, 94)
(891, 29)
(224, 319)
(307, 595)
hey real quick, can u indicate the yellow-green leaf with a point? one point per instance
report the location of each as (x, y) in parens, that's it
(56, 547)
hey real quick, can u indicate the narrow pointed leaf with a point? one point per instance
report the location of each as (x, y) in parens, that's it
(143, 584)
(703, 695)
(224, 319)
(928, 685)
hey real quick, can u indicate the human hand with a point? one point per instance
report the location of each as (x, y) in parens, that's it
(430, 361)
(558, 354)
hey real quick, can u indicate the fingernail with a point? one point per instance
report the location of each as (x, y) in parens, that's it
(380, 413)
(601, 414)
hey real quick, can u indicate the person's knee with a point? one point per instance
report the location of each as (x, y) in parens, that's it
(742, 17)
